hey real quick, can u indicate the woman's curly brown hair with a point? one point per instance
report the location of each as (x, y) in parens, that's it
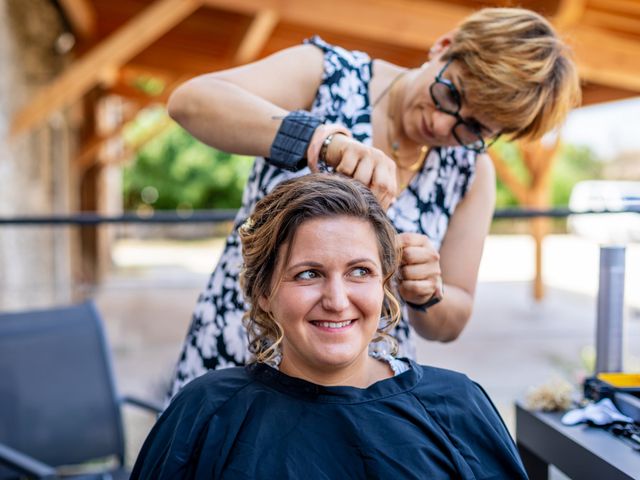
(273, 224)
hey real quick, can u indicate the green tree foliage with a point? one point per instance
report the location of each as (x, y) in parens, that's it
(176, 171)
(575, 163)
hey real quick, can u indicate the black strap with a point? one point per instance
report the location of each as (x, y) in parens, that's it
(289, 147)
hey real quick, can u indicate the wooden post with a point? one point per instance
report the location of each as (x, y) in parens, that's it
(88, 173)
(538, 160)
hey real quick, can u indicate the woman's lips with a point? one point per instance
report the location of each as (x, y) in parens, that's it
(426, 131)
(333, 326)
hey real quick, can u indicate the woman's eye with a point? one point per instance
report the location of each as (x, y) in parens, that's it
(475, 127)
(307, 275)
(360, 272)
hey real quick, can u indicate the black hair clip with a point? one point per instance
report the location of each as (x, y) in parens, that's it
(628, 432)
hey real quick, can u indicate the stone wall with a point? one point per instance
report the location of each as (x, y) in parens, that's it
(36, 263)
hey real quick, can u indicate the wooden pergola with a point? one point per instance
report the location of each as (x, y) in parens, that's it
(118, 42)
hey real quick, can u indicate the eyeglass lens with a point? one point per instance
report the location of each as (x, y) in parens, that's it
(447, 100)
(445, 97)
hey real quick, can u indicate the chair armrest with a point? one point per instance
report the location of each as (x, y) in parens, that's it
(144, 404)
(24, 463)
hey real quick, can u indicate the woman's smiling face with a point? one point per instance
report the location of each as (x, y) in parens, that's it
(329, 297)
(423, 122)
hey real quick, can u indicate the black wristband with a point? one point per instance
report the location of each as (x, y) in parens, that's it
(289, 148)
(422, 307)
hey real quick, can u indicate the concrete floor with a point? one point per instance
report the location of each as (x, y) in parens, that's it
(511, 343)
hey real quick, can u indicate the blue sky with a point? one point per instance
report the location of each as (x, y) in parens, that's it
(607, 128)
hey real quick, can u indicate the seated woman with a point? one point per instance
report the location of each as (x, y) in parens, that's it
(325, 397)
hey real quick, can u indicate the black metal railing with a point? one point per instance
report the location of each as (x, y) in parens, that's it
(215, 216)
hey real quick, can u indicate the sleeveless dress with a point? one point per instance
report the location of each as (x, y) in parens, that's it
(216, 338)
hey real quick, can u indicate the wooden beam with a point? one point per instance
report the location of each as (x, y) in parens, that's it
(569, 13)
(125, 88)
(625, 7)
(256, 37)
(131, 71)
(509, 178)
(81, 15)
(606, 58)
(613, 21)
(401, 22)
(594, 93)
(118, 48)
(602, 57)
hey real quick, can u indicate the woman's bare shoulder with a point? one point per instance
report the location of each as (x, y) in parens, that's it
(382, 74)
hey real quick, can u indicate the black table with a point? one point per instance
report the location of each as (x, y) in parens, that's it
(580, 451)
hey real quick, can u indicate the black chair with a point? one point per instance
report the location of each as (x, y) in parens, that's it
(58, 400)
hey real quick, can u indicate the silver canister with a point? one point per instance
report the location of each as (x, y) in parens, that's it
(609, 328)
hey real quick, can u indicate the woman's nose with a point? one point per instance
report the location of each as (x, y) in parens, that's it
(335, 297)
(443, 123)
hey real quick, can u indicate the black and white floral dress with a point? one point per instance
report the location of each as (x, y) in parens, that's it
(216, 337)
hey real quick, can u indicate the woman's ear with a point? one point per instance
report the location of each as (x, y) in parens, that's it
(263, 302)
(441, 45)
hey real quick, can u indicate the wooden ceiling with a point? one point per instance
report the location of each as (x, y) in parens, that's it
(120, 41)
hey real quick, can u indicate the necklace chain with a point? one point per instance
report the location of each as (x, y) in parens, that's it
(395, 144)
(388, 88)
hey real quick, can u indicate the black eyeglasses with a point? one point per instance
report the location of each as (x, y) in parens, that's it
(447, 99)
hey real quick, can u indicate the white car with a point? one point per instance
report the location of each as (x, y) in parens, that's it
(609, 195)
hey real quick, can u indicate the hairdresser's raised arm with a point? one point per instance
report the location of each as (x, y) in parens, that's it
(239, 110)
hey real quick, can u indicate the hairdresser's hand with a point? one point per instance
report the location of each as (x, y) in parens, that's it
(366, 164)
(420, 278)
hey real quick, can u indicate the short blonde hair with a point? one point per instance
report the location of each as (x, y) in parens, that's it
(518, 72)
(273, 225)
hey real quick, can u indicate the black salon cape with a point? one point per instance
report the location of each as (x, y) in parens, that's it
(258, 423)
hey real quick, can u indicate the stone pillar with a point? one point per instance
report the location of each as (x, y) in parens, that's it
(35, 168)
